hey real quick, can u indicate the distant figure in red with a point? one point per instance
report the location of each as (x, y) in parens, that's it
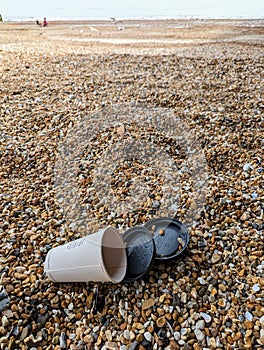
(45, 22)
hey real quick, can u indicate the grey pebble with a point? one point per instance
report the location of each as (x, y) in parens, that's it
(134, 345)
(206, 317)
(126, 334)
(199, 334)
(123, 347)
(63, 340)
(200, 324)
(4, 304)
(248, 316)
(148, 336)
(177, 335)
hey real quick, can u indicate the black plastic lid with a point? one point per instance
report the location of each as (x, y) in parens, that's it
(140, 250)
(170, 236)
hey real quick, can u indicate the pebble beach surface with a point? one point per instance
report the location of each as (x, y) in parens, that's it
(210, 73)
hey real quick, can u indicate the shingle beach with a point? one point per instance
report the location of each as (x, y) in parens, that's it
(209, 73)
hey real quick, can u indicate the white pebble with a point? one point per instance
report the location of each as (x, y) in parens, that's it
(256, 287)
(184, 298)
(199, 334)
(148, 337)
(248, 316)
(5, 321)
(126, 334)
(184, 331)
(201, 280)
(247, 167)
(206, 317)
(70, 306)
(177, 335)
(200, 324)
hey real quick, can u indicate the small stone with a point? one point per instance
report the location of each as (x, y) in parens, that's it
(133, 346)
(148, 337)
(256, 287)
(63, 344)
(200, 324)
(70, 306)
(201, 280)
(199, 334)
(184, 297)
(184, 331)
(126, 334)
(248, 316)
(206, 317)
(148, 304)
(181, 342)
(24, 333)
(245, 216)
(177, 335)
(111, 345)
(108, 335)
(215, 258)
(55, 340)
(5, 321)
(247, 167)
(4, 304)
(160, 322)
(162, 232)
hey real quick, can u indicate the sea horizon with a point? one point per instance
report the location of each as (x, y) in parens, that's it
(129, 18)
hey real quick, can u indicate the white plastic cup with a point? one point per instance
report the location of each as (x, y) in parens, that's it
(99, 257)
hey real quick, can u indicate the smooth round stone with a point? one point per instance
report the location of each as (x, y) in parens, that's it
(256, 287)
(199, 334)
(248, 316)
(200, 324)
(126, 334)
(177, 335)
(184, 331)
(206, 317)
(148, 336)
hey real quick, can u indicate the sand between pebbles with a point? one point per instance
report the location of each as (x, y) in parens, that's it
(210, 298)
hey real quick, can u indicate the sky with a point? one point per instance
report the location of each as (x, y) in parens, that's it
(131, 8)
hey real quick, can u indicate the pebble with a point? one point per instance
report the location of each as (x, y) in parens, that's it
(201, 280)
(127, 334)
(199, 334)
(123, 347)
(200, 324)
(206, 317)
(248, 316)
(148, 304)
(256, 287)
(148, 336)
(62, 342)
(177, 335)
(4, 303)
(134, 345)
(247, 167)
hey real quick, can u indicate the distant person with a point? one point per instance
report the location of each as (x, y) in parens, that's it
(37, 22)
(45, 22)
(1, 18)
